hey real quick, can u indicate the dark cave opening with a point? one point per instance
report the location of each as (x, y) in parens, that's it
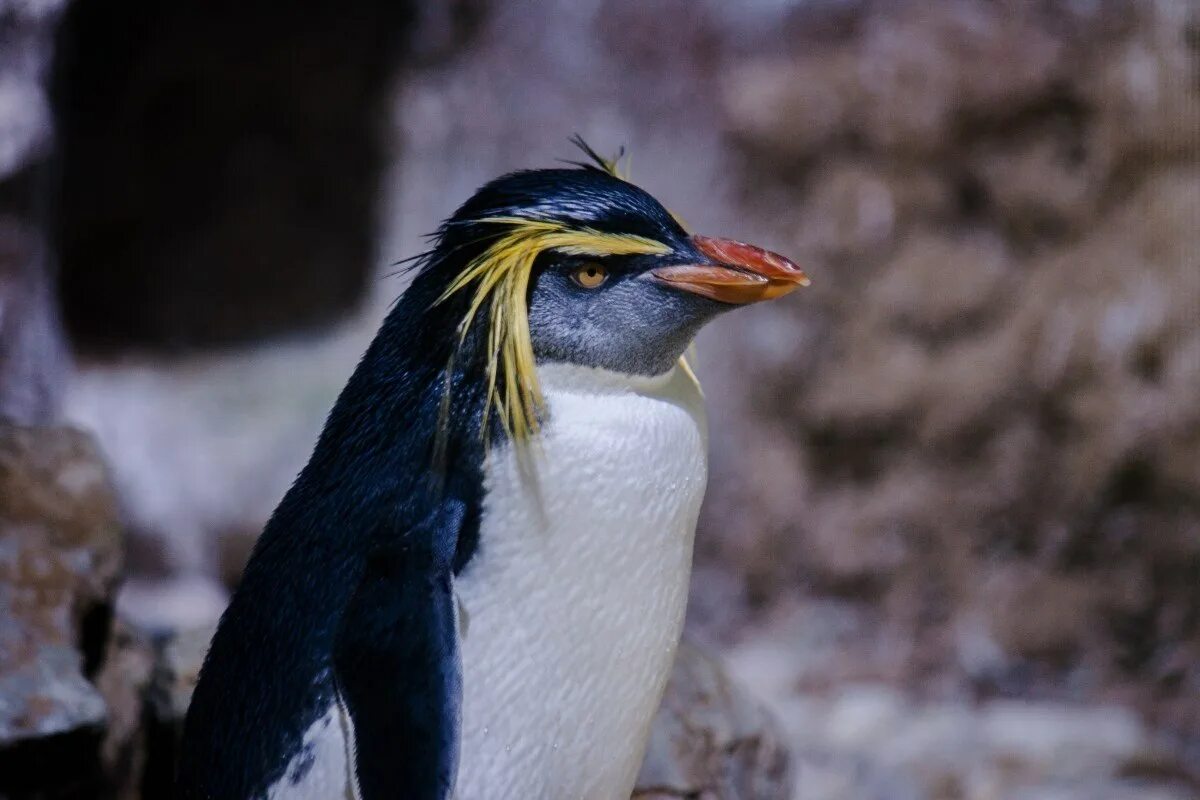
(218, 165)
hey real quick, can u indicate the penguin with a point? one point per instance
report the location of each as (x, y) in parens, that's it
(476, 586)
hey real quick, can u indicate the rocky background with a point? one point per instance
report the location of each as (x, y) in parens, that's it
(952, 537)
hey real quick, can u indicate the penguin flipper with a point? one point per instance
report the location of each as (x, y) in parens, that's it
(397, 672)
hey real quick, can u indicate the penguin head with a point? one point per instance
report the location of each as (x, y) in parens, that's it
(580, 266)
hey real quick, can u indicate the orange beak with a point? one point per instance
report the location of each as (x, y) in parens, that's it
(737, 273)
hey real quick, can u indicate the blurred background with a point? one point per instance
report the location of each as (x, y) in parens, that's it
(951, 544)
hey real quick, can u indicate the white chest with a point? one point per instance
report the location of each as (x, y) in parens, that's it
(576, 595)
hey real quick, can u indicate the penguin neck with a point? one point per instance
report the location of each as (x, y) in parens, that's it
(565, 376)
(677, 386)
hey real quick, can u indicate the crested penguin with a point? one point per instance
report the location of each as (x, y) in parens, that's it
(476, 586)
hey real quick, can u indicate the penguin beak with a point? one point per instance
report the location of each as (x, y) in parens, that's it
(733, 272)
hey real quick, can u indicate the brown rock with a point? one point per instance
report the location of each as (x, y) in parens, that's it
(1046, 181)
(60, 551)
(911, 76)
(1144, 87)
(935, 284)
(123, 682)
(711, 741)
(176, 671)
(851, 214)
(61, 555)
(790, 107)
(178, 659)
(1038, 615)
(995, 402)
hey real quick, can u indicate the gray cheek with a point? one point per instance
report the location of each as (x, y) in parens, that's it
(634, 327)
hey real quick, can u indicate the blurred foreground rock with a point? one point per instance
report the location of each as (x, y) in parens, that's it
(176, 670)
(711, 741)
(60, 552)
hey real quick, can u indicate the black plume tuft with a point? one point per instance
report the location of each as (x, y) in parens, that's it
(596, 162)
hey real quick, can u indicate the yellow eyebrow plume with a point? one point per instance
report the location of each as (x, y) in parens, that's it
(500, 276)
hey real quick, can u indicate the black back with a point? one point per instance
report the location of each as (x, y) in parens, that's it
(268, 674)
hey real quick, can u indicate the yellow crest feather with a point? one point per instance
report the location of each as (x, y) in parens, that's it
(610, 165)
(500, 277)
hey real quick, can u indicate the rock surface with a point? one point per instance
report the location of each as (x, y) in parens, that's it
(711, 741)
(124, 681)
(980, 425)
(60, 552)
(868, 740)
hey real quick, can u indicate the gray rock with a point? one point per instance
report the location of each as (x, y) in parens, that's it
(1063, 740)
(123, 682)
(60, 552)
(711, 741)
(871, 741)
(180, 657)
(59, 556)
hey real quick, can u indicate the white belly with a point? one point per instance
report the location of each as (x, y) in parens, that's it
(576, 595)
(574, 599)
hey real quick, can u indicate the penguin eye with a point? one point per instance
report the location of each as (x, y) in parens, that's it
(590, 276)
